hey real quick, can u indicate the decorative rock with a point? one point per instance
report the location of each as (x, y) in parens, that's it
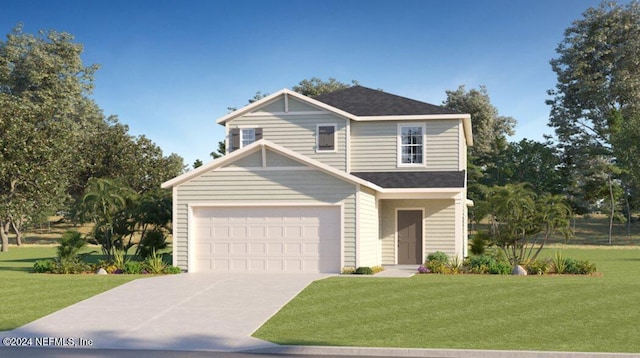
(519, 271)
(101, 271)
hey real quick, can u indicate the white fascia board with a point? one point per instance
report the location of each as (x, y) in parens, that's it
(283, 92)
(420, 193)
(259, 145)
(216, 163)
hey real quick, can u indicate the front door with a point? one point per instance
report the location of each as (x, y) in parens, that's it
(409, 237)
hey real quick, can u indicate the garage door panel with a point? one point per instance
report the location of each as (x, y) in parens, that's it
(272, 239)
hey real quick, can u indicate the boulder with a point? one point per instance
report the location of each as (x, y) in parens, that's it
(101, 271)
(519, 271)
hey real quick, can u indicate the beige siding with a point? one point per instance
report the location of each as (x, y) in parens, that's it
(278, 106)
(374, 146)
(442, 145)
(251, 160)
(438, 226)
(298, 133)
(369, 236)
(260, 186)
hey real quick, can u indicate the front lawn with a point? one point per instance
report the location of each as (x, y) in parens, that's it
(27, 296)
(550, 313)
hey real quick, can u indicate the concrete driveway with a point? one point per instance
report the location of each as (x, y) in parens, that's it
(216, 312)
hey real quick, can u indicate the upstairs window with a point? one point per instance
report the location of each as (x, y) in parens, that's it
(411, 145)
(326, 138)
(242, 137)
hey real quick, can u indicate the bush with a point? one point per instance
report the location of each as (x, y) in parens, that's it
(132, 267)
(537, 267)
(44, 266)
(172, 270)
(70, 244)
(71, 266)
(364, 270)
(585, 267)
(154, 263)
(479, 243)
(377, 269)
(348, 270)
(423, 269)
(438, 262)
(154, 240)
(488, 264)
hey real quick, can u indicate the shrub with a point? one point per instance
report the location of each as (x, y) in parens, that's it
(537, 267)
(438, 262)
(479, 243)
(348, 270)
(171, 270)
(44, 266)
(132, 267)
(488, 264)
(154, 263)
(364, 270)
(585, 267)
(423, 269)
(154, 240)
(70, 244)
(377, 269)
(559, 263)
(120, 258)
(72, 266)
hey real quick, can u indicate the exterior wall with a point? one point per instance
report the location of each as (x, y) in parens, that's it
(263, 186)
(439, 227)
(368, 229)
(297, 131)
(374, 146)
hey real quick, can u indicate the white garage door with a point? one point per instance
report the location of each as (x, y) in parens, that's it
(267, 239)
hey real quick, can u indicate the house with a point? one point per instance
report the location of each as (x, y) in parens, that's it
(356, 177)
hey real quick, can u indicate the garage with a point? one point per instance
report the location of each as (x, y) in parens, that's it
(295, 239)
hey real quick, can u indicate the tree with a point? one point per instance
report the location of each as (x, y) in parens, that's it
(43, 89)
(522, 222)
(489, 132)
(315, 86)
(597, 97)
(102, 202)
(221, 151)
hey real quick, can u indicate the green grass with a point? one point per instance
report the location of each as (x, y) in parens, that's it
(550, 313)
(27, 296)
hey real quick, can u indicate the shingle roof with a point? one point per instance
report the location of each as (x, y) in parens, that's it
(363, 101)
(400, 180)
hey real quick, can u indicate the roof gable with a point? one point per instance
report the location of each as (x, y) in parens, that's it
(363, 101)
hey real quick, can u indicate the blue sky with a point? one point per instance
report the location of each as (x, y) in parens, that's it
(169, 69)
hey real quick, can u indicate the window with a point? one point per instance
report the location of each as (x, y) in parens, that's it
(411, 145)
(247, 136)
(242, 137)
(326, 138)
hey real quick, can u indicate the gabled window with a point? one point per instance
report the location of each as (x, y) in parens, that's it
(242, 137)
(326, 138)
(411, 149)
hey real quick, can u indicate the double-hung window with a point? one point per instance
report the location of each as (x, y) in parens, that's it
(411, 149)
(242, 137)
(326, 138)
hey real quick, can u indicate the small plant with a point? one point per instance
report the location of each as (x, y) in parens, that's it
(154, 240)
(585, 267)
(438, 262)
(70, 244)
(154, 264)
(364, 270)
(377, 269)
(423, 269)
(537, 267)
(44, 266)
(120, 258)
(172, 270)
(559, 263)
(133, 267)
(478, 243)
(348, 270)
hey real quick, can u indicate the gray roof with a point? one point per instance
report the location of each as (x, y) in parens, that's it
(400, 180)
(363, 101)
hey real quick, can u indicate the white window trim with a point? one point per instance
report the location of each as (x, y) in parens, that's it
(399, 145)
(335, 138)
(241, 134)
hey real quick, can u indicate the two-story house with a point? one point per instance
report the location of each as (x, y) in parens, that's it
(356, 177)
